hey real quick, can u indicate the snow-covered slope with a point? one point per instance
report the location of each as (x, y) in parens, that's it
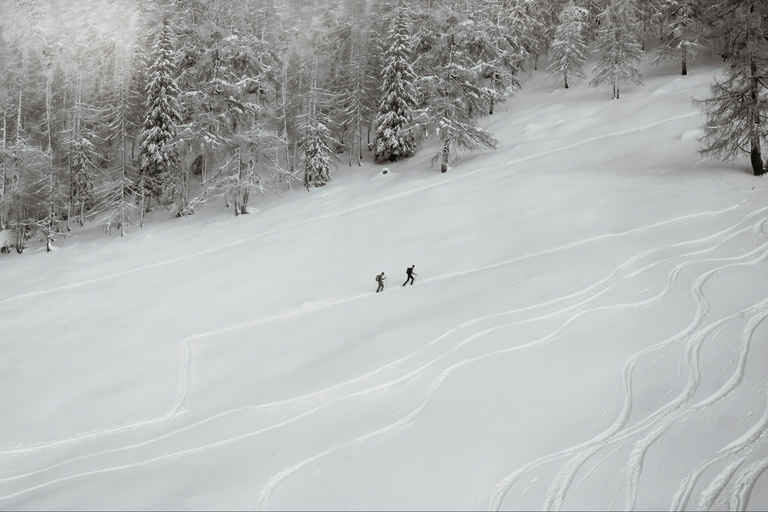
(587, 331)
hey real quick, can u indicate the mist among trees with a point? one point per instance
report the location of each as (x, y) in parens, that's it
(113, 108)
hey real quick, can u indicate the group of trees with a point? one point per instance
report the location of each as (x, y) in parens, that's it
(112, 106)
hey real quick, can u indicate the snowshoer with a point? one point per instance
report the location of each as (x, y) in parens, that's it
(409, 273)
(380, 278)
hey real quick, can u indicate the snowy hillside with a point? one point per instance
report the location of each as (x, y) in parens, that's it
(587, 331)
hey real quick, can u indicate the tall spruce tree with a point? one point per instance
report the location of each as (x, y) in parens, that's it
(395, 139)
(737, 107)
(570, 46)
(619, 47)
(159, 159)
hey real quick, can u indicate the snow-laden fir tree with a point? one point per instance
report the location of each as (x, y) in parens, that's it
(737, 107)
(317, 161)
(82, 170)
(395, 139)
(159, 159)
(450, 80)
(682, 31)
(651, 18)
(498, 50)
(229, 75)
(317, 139)
(569, 48)
(532, 24)
(618, 46)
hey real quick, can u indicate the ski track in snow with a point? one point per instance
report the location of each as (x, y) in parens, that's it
(663, 417)
(575, 307)
(742, 487)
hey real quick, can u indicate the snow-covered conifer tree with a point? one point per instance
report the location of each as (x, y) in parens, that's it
(531, 23)
(619, 47)
(682, 32)
(737, 107)
(158, 157)
(569, 47)
(317, 169)
(496, 48)
(83, 168)
(395, 139)
(449, 76)
(317, 151)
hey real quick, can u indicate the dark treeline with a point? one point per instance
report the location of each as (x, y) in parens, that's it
(112, 107)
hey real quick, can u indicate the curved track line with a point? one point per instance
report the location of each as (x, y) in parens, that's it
(557, 492)
(742, 489)
(635, 464)
(683, 495)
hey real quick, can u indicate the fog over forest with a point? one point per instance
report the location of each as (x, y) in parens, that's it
(112, 108)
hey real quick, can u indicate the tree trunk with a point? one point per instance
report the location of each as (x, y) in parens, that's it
(446, 154)
(242, 186)
(493, 89)
(20, 239)
(757, 162)
(755, 156)
(247, 191)
(685, 61)
(121, 218)
(18, 120)
(2, 177)
(359, 154)
(142, 207)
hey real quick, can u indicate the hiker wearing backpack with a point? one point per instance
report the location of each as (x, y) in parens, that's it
(380, 278)
(409, 275)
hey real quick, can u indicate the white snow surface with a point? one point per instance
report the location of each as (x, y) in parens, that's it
(587, 331)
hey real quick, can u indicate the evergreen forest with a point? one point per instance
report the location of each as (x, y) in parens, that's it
(112, 108)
